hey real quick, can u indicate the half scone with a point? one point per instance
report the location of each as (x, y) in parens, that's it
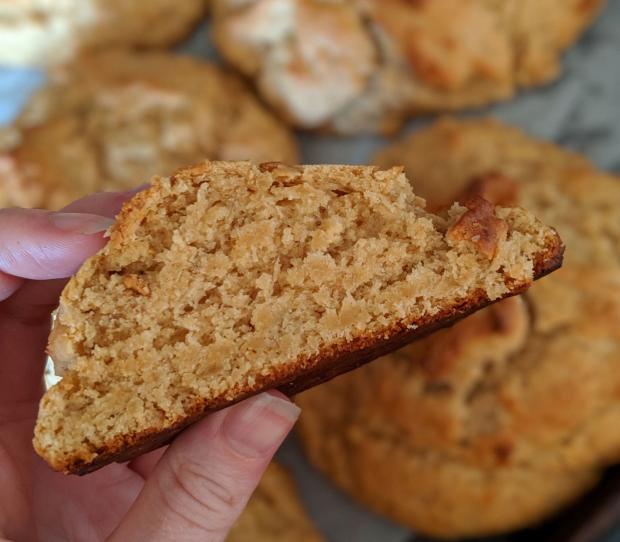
(112, 119)
(501, 420)
(274, 513)
(228, 278)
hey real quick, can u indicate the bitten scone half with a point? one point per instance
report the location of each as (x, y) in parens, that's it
(44, 33)
(228, 278)
(110, 120)
(364, 65)
(274, 513)
(501, 420)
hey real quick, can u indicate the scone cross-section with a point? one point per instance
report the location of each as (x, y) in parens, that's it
(229, 278)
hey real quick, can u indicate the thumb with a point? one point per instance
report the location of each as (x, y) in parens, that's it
(41, 245)
(204, 480)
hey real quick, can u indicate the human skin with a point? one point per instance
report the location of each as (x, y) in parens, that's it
(193, 490)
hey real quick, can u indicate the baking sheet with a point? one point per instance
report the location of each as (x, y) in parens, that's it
(580, 111)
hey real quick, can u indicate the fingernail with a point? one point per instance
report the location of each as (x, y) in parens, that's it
(81, 223)
(259, 424)
(135, 190)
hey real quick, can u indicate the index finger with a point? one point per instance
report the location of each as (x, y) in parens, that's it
(41, 245)
(25, 315)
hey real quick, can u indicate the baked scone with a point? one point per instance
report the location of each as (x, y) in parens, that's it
(364, 65)
(116, 118)
(228, 278)
(501, 420)
(274, 513)
(43, 32)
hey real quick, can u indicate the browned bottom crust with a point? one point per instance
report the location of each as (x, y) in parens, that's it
(323, 367)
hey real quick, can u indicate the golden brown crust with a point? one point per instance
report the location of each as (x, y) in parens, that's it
(495, 187)
(120, 116)
(436, 494)
(388, 59)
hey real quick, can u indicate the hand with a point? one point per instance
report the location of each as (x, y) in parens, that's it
(193, 490)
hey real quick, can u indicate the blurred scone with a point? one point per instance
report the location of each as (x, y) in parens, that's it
(364, 65)
(45, 32)
(512, 413)
(113, 119)
(274, 513)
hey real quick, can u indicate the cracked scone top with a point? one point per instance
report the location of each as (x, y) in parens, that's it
(511, 414)
(274, 513)
(113, 119)
(48, 32)
(364, 65)
(228, 278)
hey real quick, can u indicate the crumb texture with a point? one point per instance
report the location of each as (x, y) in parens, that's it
(364, 65)
(274, 513)
(226, 277)
(111, 120)
(514, 410)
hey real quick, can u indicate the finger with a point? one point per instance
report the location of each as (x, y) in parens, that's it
(84, 508)
(33, 304)
(8, 285)
(25, 315)
(204, 480)
(145, 464)
(104, 203)
(38, 244)
(24, 326)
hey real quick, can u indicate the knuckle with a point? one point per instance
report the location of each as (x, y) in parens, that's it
(199, 497)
